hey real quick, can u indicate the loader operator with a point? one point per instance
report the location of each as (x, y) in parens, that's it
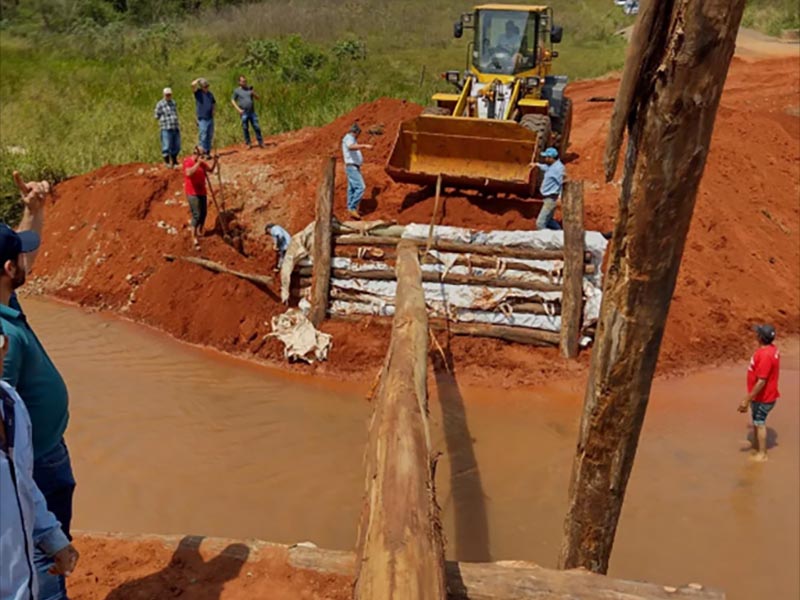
(510, 41)
(552, 184)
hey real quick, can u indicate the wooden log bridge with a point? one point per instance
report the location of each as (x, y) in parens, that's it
(400, 549)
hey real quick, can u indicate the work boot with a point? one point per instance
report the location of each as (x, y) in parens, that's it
(166, 161)
(354, 214)
(174, 159)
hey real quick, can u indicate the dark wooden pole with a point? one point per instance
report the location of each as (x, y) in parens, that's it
(671, 86)
(572, 294)
(321, 275)
(400, 549)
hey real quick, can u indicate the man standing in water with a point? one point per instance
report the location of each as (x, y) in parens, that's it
(762, 387)
(28, 368)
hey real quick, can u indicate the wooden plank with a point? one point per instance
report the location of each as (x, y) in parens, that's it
(572, 295)
(400, 548)
(321, 276)
(684, 61)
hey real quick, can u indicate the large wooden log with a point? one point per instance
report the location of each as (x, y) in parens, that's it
(444, 246)
(321, 276)
(454, 278)
(521, 335)
(465, 581)
(400, 548)
(668, 100)
(572, 295)
(264, 282)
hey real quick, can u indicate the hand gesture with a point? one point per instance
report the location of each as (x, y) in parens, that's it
(744, 405)
(64, 561)
(33, 192)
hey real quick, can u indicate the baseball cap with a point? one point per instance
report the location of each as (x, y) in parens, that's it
(765, 332)
(550, 153)
(167, 90)
(12, 244)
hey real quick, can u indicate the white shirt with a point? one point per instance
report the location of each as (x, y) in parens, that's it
(24, 518)
(351, 157)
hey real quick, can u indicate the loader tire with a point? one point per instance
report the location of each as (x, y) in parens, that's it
(439, 111)
(563, 128)
(540, 124)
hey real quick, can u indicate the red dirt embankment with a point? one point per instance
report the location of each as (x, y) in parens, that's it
(107, 231)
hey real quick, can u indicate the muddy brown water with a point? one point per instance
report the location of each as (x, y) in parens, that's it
(167, 438)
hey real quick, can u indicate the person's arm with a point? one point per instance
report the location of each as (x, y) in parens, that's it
(32, 213)
(757, 388)
(236, 106)
(213, 105)
(255, 96)
(12, 363)
(360, 147)
(541, 166)
(49, 537)
(193, 169)
(158, 110)
(194, 85)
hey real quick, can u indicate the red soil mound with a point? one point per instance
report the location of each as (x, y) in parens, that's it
(107, 232)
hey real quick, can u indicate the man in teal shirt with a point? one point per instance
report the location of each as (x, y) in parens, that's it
(29, 369)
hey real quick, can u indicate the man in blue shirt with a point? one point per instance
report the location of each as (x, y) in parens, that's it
(552, 184)
(206, 104)
(29, 369)
(281, 239)
(351, 152)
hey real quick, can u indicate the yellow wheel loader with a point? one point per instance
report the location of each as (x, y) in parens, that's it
(506, 109)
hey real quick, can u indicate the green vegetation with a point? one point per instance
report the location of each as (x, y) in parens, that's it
(79, 78)
(772, 16)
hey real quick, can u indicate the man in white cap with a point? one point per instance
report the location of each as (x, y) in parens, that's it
(167, 114)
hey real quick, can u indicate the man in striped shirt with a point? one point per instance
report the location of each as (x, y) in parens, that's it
(167, 114)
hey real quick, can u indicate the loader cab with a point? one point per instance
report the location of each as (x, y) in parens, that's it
(510, 40)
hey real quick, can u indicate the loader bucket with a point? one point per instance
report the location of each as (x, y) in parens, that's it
(483, 154)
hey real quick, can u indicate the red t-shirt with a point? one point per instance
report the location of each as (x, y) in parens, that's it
(765, 364)
(196, 184)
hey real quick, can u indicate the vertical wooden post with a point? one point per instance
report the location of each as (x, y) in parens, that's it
(400, 550)
(321, 269)
(572, 292)
(673, 79)
(433, 216)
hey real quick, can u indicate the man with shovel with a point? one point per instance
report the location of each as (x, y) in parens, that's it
(195, 170)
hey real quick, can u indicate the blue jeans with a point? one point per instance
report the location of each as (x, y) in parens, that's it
(247, 118)
(545, 219)
(206, 131)
(355, 187)
(170, 142)
(52, 472)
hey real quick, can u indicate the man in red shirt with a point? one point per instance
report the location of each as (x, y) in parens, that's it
(194, 184)
(762, 387)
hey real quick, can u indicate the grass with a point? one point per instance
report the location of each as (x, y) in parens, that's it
(772, 16)
(76, 101)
